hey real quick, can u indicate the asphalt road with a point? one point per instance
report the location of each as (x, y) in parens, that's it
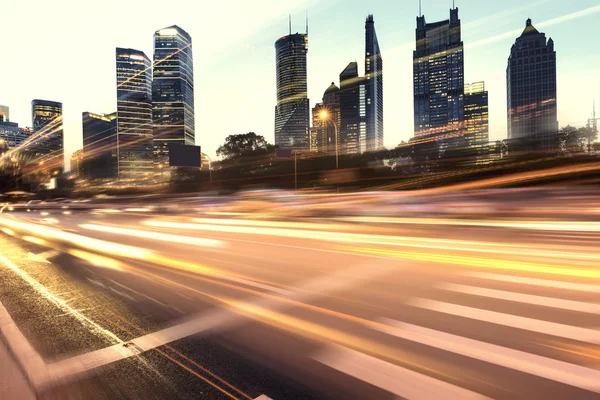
(136, 305)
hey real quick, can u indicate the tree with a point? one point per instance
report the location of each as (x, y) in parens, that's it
(590, 135)
(572, 139)
(244, 145)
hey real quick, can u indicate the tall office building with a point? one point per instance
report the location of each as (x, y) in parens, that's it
(4, 113)
(134, 114)
(353, 126)
(9, 133)
(77, 163)
(323, 132)
(476, 129)
(438, 78)
(531, 91)
(373, 87)
(100, 151)
(47, 118)
(293, 107)
(172, 91)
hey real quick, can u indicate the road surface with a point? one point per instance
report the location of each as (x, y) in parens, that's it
(129, 304)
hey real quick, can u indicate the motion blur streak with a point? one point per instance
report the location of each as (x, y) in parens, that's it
(483, 263)
(403, 241)
(330, 335)
(164, 237)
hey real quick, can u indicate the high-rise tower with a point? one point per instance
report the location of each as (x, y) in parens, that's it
(134, 114)
(438, 78)
(48, 145)
(172, 91)
(531, 91)
(373, 88)
(292, 111)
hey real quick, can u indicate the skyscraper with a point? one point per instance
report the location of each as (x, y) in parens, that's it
(100, 159)
(4, 113)
(353, 126)
(292, 110)
(134, 113)
(172, 90)
(373, 87)
(438, 78)
(323, 131)
(48, 127)
(531, 91)
(476, 127)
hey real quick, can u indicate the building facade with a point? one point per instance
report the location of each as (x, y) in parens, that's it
(353, 125)
(323, 132)
(10, 135)
(172, 91)
(77, 164)
(373, 88)
(48, 145)
(531, 91)
(476, 128)
(438, 78)
(4, 113)
(292, 110)
(134, 111)
(100, 145)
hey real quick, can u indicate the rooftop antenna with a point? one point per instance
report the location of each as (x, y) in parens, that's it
(453, 6)
(420, 13)
(307, 23)
(290, 24)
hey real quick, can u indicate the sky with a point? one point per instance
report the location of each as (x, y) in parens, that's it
(64, 50)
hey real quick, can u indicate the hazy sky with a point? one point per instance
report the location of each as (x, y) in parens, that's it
(64, 50)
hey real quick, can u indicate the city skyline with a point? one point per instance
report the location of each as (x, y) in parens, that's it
(488, 34)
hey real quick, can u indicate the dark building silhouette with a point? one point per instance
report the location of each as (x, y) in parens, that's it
(134, 111)
(353, 126)
(100, 160)
(438, 78)
(48, 147)
(172, 91)
(293, 107)
(373, 87)
(476, 128)
(531, 91)
(323, 132)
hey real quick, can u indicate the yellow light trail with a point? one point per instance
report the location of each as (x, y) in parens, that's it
(482, 262)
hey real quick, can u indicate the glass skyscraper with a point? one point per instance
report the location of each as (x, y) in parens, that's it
(100, 160)
(48, 146)
(476, 117)
(134, 114)
(438, 78)
(172, 91)
(353, 126)
(373, 88)
(293, 108)
(531, 91)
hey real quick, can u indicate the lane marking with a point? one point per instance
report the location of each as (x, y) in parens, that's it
(138, 293)
(513, 321)
(263, 397)
(152, 235)
(555, 370)
(390, 377)
(582, 287)
(218, 318)
(551, 302)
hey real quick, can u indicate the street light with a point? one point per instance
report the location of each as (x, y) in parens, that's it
(325, 117)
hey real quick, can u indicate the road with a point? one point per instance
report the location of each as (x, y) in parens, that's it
(129, 304)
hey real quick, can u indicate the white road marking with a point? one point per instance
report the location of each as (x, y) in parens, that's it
(390, 377)
(122, 294)
(513, 321)
(582, 287)
(218, 318)
(552, 302)
(559, 371)
(29, 359)
(138, 293)
(42, 257)
(263, 397)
